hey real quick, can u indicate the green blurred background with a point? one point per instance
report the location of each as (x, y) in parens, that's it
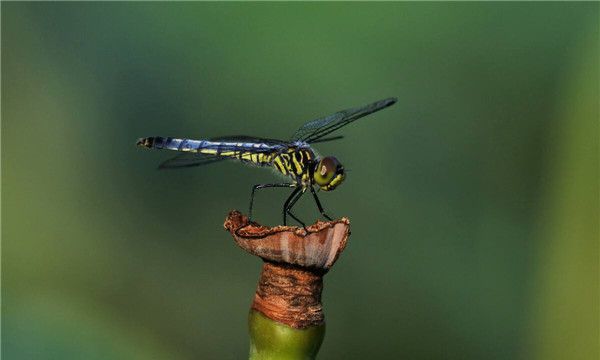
(473, 201)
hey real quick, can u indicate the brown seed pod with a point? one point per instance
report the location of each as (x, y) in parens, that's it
(289, 289)
(317, 247)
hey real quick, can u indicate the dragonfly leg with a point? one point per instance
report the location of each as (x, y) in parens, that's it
(289, 203)
(263, 186)
(290, 209)
(314, 193)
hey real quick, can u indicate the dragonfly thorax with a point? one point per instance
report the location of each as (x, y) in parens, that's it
(328, 173)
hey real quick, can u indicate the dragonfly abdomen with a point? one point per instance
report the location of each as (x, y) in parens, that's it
(256, 153)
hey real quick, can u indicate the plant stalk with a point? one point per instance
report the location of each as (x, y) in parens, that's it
(286, 318)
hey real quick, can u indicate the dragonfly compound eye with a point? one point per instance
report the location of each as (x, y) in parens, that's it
(329, 173)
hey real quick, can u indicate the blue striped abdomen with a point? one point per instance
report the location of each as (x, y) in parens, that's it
(258, 153)
(189, 145)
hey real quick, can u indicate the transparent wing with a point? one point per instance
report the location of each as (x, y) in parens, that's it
(248, 139)
(332, 138)
(316, 129)
(189, 160)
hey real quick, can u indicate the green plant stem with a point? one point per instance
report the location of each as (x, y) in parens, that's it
(270, 339)
(286, 320)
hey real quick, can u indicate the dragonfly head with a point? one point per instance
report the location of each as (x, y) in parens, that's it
(328, 173)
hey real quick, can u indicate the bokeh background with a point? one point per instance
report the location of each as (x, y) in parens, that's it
(473, 201)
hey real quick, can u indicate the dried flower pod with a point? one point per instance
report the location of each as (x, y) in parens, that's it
(291, 282)
(316, 247)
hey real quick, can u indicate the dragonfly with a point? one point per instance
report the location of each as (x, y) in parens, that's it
(295, 159)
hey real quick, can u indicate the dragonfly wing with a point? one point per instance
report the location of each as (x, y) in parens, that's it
(326, 139)
(316, 129)
(248, 139)
(190, 160)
